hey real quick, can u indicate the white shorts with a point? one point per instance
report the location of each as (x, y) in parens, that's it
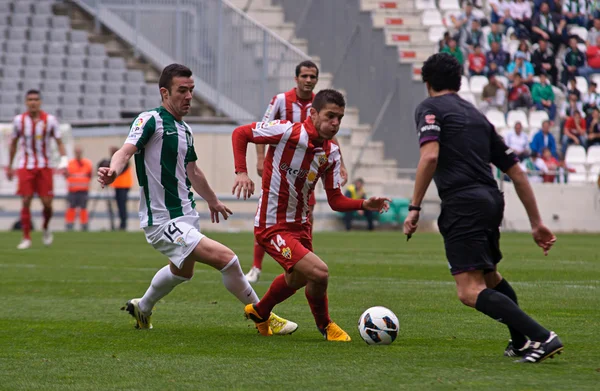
(176, 238)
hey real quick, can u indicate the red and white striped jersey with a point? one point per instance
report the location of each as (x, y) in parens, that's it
(287, 106)
(293, 165)
(35, 139)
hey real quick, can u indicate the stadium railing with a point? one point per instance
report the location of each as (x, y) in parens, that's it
(238, 63)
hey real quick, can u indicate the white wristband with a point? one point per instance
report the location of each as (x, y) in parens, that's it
(63, 163)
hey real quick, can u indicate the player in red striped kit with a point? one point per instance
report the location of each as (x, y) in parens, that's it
(293, 106)
(299, 154)
(34, 129)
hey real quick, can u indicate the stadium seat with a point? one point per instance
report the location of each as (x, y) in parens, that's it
(74, 74)
(17, 34)
(512, 47)
(97, 50)
(116, 63)
(61, 22)
(135, 77)
(469, 97)
(515, 116)
(594, 173)
(3, 21)
(55, 73)
(96, 62)
(11, 72)
(446, 5)
(133, 103)
(114, 89)
(575, 155)
(496, 118)
(580, 174)
(36, 47)
(22, 7)
(58, 35)
(133, 90)
(151, 90)
(112, 101)
(57, 47)
(90, 113)
(4, 8)
(94, 76)
(51, 98)
(536, 118)
(425, 4)
(436, 33)
(13, 59)
(69, 113)
(72, 100)
(91, 100)
(503, 80)
(114, 76)
(72, 88)
(593, 155)
(41, 21)
(19, 20)
(464, 84)
(78, 49)
(43, 7)
(52, 86)
(7, 112)
(76, 62)
(10, 85)
(581, 32)
(56, 61)
(477, 83)
(93, 88)
(8, 98)
(32, 73)
(150, 102)
(431, 17)
(111, 113)
(79, 36)
(582, 84)
(38, 34)
(595, 78)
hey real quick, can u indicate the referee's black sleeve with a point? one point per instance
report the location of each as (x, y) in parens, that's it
(502, 156)
(428, 123)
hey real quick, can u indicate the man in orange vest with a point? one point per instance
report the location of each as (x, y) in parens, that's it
(79, 173)
(122, 185)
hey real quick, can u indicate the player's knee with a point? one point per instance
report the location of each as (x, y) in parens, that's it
(468, 296)
(320, 273)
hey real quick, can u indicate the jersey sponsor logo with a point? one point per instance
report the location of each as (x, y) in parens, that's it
(139, 122)
(299, 172)
(430, 127)
(430, 119)
(322, 159)
(286, 252)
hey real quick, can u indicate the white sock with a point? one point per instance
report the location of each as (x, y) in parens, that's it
(235, 281)
(162, 284)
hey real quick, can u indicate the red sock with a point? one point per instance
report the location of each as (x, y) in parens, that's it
(47, 216)
(278, 292)
(319, 306)
(26, 223)
(259, 255)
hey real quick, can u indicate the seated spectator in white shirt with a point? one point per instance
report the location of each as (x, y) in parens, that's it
(591, 99)
(518, 141)
(520, 13)
(594, 33)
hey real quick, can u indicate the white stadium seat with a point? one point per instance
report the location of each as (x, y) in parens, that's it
(477, 83)
(515, 116)
(431, 17)
(536, 118)
(436, 33)
(425, 4)
(581, 32)
(496, 117)
(449, 5)
(503, 80)
(595, 78)
(593, 155)
(580, 174)
(582, 84)
(575, 155)
(464, 84)
(469, 97)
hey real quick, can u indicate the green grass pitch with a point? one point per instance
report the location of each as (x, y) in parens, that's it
(61, 328)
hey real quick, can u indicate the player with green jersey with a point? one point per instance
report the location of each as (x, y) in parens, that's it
(165, 161)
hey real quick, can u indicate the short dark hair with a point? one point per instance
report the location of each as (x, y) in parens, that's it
(593, 84)
(306, 64)
(32, 92)
(325, 97)
(443, 72)
(171, 71)
(518, 75)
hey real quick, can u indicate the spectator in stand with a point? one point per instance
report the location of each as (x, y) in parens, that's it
(594, 32)
(543, 60)
(454, 51)
(574, 62)
(493, 95)
(470, 38)
(518, 141)
(477, 62)
(591, 101)
(593, 135)
(552, 164)
(462, 23)
(593, 56)
(574, 132)
(520, 13)
(549, 27)
(501, 13)
(444, 41)
(543, 96)
(519, 95)
(574, 12)
(495, 35)
(522, 67)
(496, 59)
(543, 139)
(525, 49)
(572, 89)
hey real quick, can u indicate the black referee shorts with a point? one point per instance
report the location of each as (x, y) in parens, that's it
(469, 223)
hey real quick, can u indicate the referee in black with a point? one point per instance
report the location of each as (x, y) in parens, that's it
(457, 146)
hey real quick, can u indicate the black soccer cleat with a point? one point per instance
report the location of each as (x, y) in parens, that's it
(539, 351)
(511, 351)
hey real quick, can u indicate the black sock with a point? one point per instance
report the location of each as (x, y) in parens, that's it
(518, 339)
(499, 307)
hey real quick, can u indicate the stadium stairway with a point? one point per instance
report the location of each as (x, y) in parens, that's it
(374, 167)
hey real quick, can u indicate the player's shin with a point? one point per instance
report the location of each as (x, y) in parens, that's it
(501, 308)
(162, 284)
(47, 212)
(235, 281)
(259, 255)
(26, 223)
(518, 339)
(278, 292)
(319, 306)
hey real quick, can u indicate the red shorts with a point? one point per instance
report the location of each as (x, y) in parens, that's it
(35, 181)
(286, 243)
(312, 200)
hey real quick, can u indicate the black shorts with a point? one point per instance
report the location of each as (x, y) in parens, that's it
(77, 199)
(470, 224)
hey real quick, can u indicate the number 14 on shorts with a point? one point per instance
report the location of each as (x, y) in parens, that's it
(281, 247)
(174, 234)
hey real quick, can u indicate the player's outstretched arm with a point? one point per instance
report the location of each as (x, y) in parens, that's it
(541, 234)
(107, 175)
(343, 170)
(201, 186)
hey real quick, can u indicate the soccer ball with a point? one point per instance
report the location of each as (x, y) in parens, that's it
(378, 326)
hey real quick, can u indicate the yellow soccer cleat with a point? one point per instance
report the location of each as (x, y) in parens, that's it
(261, 324)
(281, 326)
(143, 321)
(333, 332)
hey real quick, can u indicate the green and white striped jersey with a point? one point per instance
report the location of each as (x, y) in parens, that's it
(165, 146)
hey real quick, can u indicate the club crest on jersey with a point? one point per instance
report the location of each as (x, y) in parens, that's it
(286, 252)
(181, 242)
(430, 119)
(322, 159)
(299, 172)
(311, 176)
